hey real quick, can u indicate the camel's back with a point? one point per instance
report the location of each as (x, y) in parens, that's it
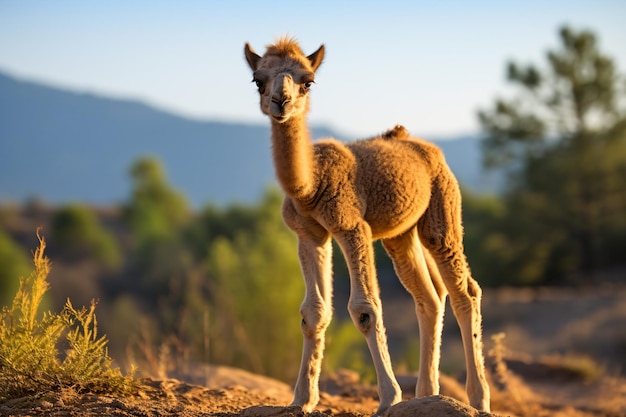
(386, 180)
(397, 150)
(394, 176)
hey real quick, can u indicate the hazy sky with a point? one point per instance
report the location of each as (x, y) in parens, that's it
(426, 64)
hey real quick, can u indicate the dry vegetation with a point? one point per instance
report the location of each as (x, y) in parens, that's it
(30, 362)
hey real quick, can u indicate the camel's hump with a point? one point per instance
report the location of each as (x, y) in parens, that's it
(398, 132)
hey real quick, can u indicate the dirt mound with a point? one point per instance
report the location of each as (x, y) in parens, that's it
(436, 405)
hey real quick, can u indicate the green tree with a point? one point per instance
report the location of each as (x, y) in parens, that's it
(156, 215)
(160, 262)
(563, 137)
(155, 209)
(77, 233)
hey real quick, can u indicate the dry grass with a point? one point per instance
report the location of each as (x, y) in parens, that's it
(508, 392)
(30, 363)
(554, 385)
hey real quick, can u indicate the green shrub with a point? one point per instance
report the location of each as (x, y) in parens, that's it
(78, 233)
(30, 361)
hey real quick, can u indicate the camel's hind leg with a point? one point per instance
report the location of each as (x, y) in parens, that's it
(410, 263)
(316, 310)
(441, 232)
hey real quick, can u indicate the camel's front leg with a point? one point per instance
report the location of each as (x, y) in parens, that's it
(316, 310)
(366, 309)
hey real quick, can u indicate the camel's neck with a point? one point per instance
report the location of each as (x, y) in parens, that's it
(292, 149)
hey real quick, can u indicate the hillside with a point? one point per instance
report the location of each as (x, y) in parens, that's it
(60, 145)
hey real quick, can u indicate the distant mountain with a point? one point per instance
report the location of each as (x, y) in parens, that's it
(62, 146)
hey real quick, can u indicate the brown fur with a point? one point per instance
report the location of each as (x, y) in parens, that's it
(391, 187)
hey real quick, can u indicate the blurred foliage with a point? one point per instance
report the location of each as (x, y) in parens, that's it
(155, 210)
(78, 234)
(256, 292)
(165, 280)
(13, 263)
(155, 215)
(347, 348)
(408, 359)
(563, 139)
(487, 246)
(224, 282)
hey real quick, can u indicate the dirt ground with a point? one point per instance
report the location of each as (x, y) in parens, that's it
(533, 389)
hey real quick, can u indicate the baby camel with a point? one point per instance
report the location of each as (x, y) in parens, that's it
(391, 187)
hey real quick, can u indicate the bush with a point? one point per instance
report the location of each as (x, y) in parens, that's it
(30, 363)
(79, 234)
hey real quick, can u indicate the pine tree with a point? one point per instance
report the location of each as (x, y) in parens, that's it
(563, 138)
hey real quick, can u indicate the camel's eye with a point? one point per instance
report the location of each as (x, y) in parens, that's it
(307, 83)
(307, 80)
(260, 85)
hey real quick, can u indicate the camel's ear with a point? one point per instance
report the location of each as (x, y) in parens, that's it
(251, 56)
(316, 58)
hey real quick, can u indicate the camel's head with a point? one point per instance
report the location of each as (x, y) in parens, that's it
(284, 76)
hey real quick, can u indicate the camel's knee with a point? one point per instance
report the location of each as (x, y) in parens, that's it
(315, 319)
(467, 291)
(365, 315)
(466, 298)
(429, 307)
(445, 244)
(473, 289)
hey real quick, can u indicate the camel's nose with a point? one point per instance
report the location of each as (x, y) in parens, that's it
(281, 96)
(281, 101)
(279, 105)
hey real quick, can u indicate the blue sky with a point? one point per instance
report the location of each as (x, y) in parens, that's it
(427, 65)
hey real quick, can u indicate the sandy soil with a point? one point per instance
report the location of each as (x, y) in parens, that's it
(233, 392)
